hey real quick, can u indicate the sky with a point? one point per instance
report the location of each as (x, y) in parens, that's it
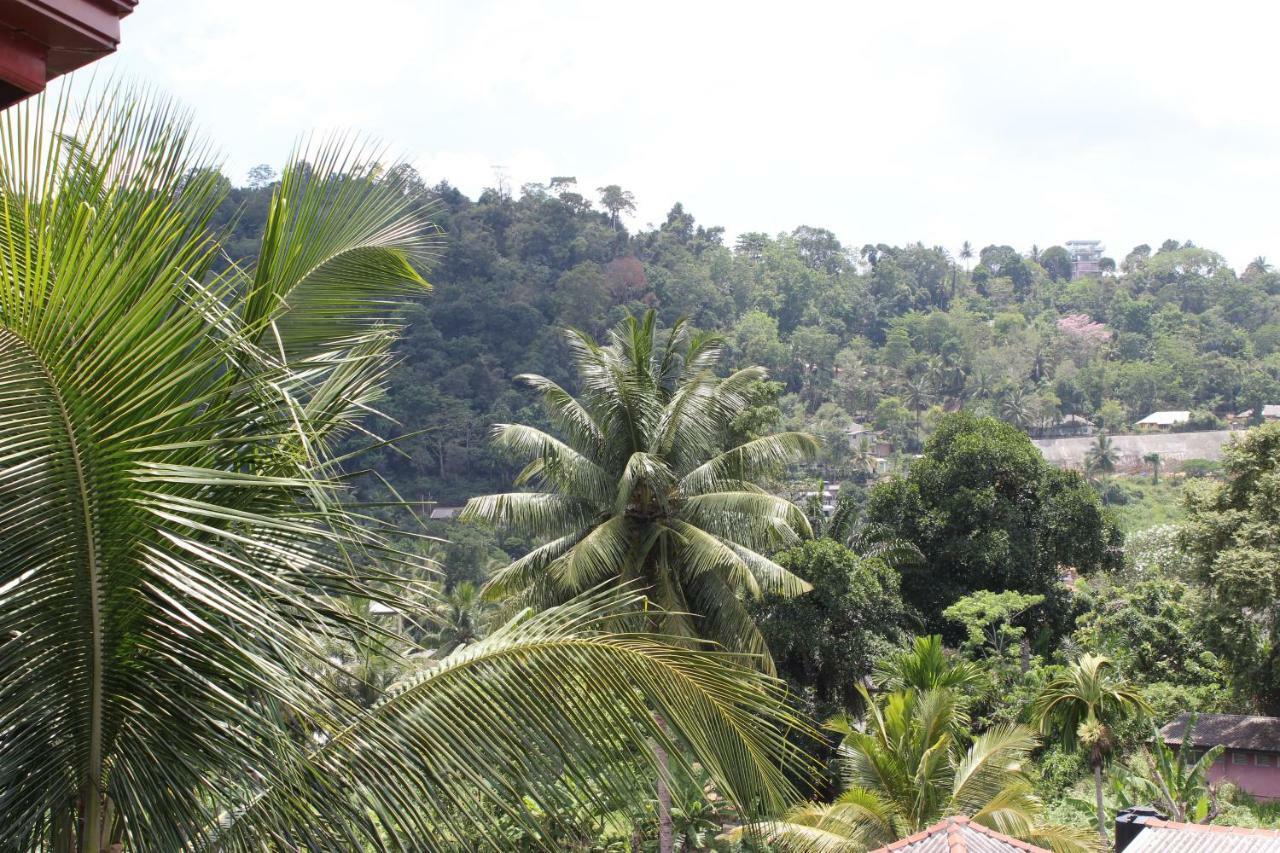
(1012, 123)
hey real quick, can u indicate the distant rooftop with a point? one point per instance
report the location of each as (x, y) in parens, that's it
(959, 835)
(1234, 731)
(446, 512)
(1166, 418)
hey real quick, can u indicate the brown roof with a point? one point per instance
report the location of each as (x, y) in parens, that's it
(1261, 734)
(959, 835)
(1166, 836)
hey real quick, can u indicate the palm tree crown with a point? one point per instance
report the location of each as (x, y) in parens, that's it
(908, 766)
(1082, 703)
(641, 491)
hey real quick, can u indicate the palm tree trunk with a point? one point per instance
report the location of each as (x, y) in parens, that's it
(666, 832)
(1097, 794)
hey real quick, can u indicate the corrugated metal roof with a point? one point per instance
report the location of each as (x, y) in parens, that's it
(1234, 731)
(1166, 418)
(958, 835)
(1159, 836)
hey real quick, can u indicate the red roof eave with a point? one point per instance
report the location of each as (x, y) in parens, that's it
(43, 39)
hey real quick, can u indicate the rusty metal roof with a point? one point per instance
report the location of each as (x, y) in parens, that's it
(959, 835)
(1163, 836)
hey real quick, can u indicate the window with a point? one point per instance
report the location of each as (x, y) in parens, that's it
(1264, 759)
(1238, 757)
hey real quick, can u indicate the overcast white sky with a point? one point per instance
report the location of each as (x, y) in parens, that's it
(890, 122)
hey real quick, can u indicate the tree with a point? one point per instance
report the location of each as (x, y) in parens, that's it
(917, 393)
(1153, 459)
(869, 540)
(617, 201)
(1102, 455)
(966, 253)
(1176, 779)
(459, 618)
(924, 666)
(827, 640)
(1015, 406)
(175, 555)
(640, 492)
(1084, 703)
(1232, 534)
(907, 767)
(988, 618)
(988, 512)
(262, 176)
(1057, 263)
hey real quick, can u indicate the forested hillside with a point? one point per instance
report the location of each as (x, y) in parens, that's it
(864, 331)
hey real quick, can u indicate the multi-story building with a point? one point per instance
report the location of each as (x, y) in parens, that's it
(1086, 257)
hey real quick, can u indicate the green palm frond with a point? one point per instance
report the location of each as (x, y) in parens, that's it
(907, 767)
(545, 701)
(176, 560)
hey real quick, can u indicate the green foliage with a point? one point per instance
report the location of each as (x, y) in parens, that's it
(641, 491)
(1082, 704)
(989, 619)
(908, 766)
(177, 562)
(1232, 530)
(988, 513)
(827, 640)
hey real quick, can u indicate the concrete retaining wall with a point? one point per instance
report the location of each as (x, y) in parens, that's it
(1173, 447)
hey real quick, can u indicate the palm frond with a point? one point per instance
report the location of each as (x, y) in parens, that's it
(509, 719)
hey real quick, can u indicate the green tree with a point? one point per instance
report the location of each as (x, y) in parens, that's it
(1083, 704)
(907, 767)
(459, 618)
(1101, 455)
(988, 618)
(1057, 263)
(923, 666)
(175, 555)
(641, 493)
(617, 201)
(917, 393)
(1175, 780)
(988, 512)
(1153, 459)
(1232, 531)
(827, 640)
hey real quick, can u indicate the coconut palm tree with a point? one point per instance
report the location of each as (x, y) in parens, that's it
(907, 767)
(640, 491)
(176, 558)
(870, 540)
(1015, 406)
(1082, 704)
(863, 460)
(460, 617)
(925, 666)
(917, 393)
(966, 254)
(1153, 459)
(1102, 455)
